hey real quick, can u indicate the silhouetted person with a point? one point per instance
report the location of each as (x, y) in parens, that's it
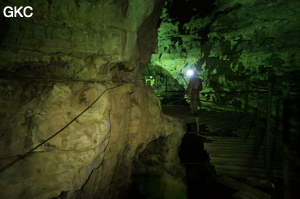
(194, 87)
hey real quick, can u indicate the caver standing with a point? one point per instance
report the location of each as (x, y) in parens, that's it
(194, 87)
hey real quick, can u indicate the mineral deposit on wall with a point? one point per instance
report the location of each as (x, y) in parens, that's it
(78, 64)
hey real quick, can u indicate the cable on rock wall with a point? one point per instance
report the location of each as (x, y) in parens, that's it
(58, 132)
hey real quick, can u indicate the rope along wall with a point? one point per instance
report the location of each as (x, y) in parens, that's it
(58, 132)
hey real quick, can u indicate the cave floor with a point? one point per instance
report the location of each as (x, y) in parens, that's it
(214, 121)
(236, 149)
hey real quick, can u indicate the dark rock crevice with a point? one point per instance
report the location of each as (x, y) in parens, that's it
(157, 172)
(201, 177)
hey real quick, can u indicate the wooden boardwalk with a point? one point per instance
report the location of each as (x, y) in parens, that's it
(236, 157)
(214, 121)
(238, 151)
(244, 191)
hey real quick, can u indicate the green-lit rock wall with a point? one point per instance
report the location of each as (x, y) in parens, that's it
(246, 52)
(234, 45)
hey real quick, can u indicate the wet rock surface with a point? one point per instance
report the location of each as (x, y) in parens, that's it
(74, 69)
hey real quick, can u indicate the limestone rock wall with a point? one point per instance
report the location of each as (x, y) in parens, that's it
(82, 40)
(126, 142)
(61, 164)
(74, 69)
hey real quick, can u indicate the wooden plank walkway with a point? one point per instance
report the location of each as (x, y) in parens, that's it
(244, 191)
(235, 157)
(236, 152)
(214, 121)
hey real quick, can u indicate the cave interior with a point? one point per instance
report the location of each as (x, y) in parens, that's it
(94, 103)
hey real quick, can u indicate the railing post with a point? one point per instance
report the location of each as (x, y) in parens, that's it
(166, 95)
(285, 129)
(235, 111)
(247, 130)
(268, 158)
(257, 134)
(246, 101)
(197, 123)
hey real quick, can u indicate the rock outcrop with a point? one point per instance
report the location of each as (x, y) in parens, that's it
(71, 90)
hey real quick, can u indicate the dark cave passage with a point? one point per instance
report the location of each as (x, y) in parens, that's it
(200, 175)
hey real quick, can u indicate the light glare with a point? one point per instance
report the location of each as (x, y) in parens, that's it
(190, 72)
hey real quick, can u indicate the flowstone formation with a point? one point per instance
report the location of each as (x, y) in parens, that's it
(71, 90)
(235, 46)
